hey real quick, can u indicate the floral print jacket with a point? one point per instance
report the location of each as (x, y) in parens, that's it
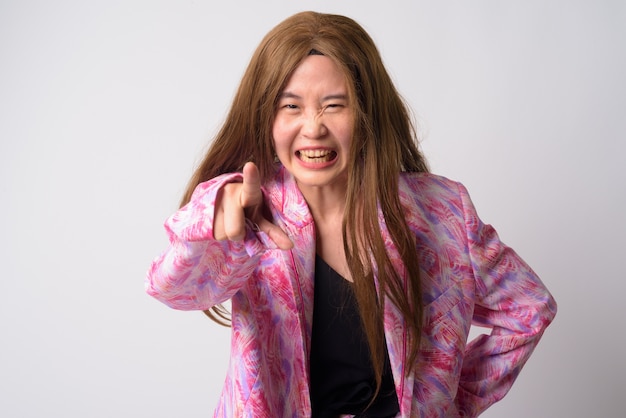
(469, 277)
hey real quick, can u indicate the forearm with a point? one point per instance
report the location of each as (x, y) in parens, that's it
(512, 301)
(197, 271)
(199, 275)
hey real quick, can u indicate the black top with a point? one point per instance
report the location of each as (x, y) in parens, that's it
(342, 377)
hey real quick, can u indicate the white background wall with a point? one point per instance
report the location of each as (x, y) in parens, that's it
(106, 107)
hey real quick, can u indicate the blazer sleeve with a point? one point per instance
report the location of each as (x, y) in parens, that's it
(197, 271)
(512, 301)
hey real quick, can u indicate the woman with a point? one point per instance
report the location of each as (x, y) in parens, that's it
(353, 273)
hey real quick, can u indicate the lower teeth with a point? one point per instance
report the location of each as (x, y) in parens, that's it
(314, 159)
(320, 159)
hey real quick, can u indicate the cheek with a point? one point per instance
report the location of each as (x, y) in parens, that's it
(280, 138)
(276, 134)
(278, 127)
(345, 135)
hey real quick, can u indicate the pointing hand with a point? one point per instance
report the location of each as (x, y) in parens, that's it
(238, 201)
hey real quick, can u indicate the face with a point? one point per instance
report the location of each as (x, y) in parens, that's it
(313, 125)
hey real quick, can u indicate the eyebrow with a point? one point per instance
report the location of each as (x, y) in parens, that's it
(290, 95)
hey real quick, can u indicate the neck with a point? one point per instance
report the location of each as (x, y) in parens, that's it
(326, 204)
(327, 207)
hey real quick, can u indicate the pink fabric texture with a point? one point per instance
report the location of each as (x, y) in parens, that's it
(469, 276)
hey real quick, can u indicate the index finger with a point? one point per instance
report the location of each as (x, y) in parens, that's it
(251, 194)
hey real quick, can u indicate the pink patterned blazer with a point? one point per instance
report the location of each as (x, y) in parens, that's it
(469, 276)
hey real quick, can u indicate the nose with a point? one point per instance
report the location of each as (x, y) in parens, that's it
(313, 126)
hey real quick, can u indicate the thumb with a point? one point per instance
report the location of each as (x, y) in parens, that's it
(280, 237)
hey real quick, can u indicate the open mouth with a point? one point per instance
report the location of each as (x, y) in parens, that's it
(316, 156)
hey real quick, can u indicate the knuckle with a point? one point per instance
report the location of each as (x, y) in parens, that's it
(234, 232)
(231, 189)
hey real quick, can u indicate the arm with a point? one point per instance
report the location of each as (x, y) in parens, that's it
(513, 302)
(198, 271)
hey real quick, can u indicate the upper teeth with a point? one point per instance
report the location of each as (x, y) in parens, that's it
(314, 153)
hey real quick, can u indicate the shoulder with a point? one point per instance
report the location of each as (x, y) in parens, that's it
(436, 200)
(429, 187)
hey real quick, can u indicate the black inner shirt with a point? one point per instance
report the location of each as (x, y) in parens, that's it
(342, 377)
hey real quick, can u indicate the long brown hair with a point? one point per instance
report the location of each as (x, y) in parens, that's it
(383, 145)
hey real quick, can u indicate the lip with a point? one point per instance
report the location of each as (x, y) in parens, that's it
(316, 158)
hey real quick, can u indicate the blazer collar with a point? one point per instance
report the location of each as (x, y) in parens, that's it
(284, 195)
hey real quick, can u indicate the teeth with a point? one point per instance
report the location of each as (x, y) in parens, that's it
(316, 155)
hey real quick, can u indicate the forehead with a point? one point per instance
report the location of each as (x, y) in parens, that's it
(317, 72)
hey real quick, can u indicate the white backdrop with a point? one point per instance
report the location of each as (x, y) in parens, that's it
(106, 107)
